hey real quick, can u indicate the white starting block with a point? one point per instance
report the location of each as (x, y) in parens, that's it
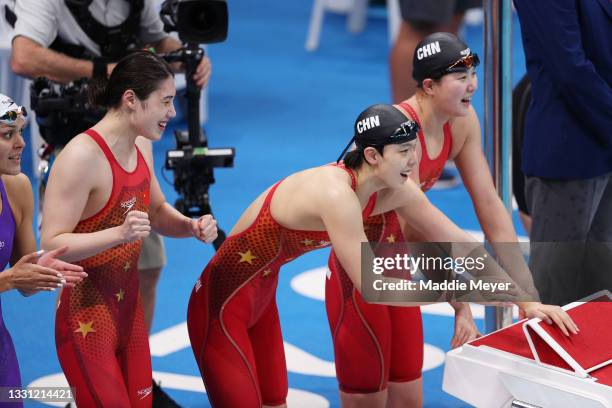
(532, 364)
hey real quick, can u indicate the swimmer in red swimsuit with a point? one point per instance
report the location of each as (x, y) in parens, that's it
(449, 129)
(100, 202)
(232, 316)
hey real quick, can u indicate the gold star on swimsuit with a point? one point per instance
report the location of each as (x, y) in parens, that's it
(246, 257)
(85, 328)
(308, 242)
(391, 239)
(120, 295)
(266, 272)
(126, 267)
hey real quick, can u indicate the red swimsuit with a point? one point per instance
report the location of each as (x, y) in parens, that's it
(430, 170)
(100, 334)
(232, 316)
(375, 344)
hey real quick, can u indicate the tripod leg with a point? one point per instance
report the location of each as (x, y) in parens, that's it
(220, 238)
(220, 233)
(206, 209)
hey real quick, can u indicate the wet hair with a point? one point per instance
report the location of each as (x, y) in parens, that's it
(356, 158)
(140, 71)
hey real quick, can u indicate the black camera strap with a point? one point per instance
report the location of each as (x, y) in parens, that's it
(10, 16)
(114, 42)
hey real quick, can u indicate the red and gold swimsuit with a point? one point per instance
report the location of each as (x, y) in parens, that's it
(375, 344)
(232, 316)
(100, 334)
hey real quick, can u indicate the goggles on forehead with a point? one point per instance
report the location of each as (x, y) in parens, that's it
(11, 116)
(408, 129)
(467, 62)
(406, 132)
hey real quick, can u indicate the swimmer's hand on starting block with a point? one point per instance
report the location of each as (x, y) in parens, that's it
(550, 314)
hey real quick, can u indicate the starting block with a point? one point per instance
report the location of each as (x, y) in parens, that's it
(533, 364)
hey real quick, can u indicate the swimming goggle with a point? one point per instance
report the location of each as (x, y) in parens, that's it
(9, 117)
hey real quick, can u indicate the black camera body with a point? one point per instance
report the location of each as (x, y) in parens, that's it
(62, 111)
(193, 173)
(196, 21)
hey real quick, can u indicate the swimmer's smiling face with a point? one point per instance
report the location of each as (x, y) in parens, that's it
(394, 165)
(151, 115)
(401, 160)
(11, 146)
(452, 93)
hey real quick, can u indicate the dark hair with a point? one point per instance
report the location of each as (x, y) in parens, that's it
(140, 71)
(355, 158)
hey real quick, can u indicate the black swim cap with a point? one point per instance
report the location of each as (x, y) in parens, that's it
(439, 54)
(380, 125)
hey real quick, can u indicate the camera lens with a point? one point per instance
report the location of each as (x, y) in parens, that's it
(202, 21)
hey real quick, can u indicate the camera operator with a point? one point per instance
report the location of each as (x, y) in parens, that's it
(49, 41)
(68, 39)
